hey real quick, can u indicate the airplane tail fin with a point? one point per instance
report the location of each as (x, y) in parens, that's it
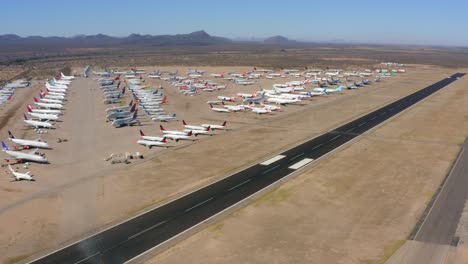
(40, 95)
(174, 115)
(141, 133)
(340, 88)
(208, 128)
(35, 99)
(133, 108)
(190, 133)
(123, 90)
(11, 169)
(25, 117)
(224, 123)
(29, 108)
(184, 123)
(5, 147)
(135, 114)
(164, 100)
(161, 128)
(10, 134)
(131, 102)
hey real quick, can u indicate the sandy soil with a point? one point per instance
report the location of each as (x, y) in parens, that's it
(355, 206)
(79, 189)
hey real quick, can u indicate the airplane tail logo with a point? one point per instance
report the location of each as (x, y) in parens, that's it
(35, 99)
(5, 147)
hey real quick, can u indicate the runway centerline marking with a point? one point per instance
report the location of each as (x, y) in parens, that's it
(274, 168)
(300, 164)
(199, 204)
(272, 160)
(146, 230)
(297, 156)
(240, 184)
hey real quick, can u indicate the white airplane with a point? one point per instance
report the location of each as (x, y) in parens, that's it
(271, 107)
(49, 101)
(226, 98)
(216, 102)
(129, 121)
(54, 93)
(37, 124)
(123, 114)
(53, 96)
(180, 137)
(152, 143)
(326, 90)
(17, 176)
(234, 108)
(47, 105)
(199, 132)
(119, 108)
(43, 111)
(282, 101)
(150, 138)
(221, 110)
(65, 77)
(193, 127)
(21, 156)
(172, 132)
(213, 127)
(46, 117)
(63, 82)
(27, 143)
(260, 111)
(56, 87)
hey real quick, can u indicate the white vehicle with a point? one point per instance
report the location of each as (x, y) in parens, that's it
(193, 127)
(175, 137)
(21, 156)
(37, 124)
(327, 90)
(152, 143)
(221, 110)
(25, 143)
(150, 138)
(219, 127)
(17, 176)
(43, 111)
(282, 101)
(172, 132)
(65, 77)
(129, 121)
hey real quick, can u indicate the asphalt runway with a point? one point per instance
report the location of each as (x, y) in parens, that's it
(137, 235)
(441, 223)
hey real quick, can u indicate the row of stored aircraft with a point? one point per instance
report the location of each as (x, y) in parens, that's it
(49, 107)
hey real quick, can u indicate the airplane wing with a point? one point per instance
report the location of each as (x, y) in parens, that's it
(28, 173)
(33, 152)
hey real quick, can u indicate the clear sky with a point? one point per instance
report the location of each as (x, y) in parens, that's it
(434, 22)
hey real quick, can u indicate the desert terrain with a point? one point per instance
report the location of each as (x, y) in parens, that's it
(80, 190)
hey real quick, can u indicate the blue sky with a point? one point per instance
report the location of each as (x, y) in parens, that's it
(391, 21)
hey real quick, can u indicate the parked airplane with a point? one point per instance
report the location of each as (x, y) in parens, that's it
(47, 105)
(326, 90)
(213, 127)
(65, 77)
(129, 121)
(46, 117)
(123, 114)
(21, 156)
(152, 143)
(199, 132)
(27, 143)
(17, 176)
(43, 111)
(178, 137)
(49, 100)
(150, 138)
(282, 101)
(226, 98)
(260, 111)
(163, 118)
(171, 132)
(222, 110)
(37, 124)
(119, 108)
(193, 127)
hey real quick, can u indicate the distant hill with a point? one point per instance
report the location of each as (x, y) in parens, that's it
(278, 40)
(198, 38)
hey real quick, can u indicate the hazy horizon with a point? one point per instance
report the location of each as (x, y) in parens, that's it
(396, 22)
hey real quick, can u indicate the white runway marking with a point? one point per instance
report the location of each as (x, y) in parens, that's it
(272, 160)
(300, 164)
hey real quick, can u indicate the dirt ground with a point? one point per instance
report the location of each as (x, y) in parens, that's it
(357, 205)
(78, 189)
